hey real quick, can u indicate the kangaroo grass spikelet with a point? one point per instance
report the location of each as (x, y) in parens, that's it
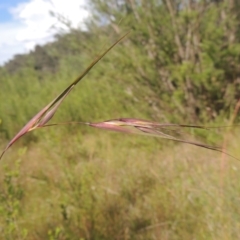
(42, 117)
(125, 125)
(149, 128)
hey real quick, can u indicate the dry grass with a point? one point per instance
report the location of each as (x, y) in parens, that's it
(110, 186)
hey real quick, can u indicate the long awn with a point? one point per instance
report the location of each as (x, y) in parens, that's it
(127, 125)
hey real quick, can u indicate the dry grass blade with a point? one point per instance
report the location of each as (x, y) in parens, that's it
(42, 117)
(137, 126)
(149, 128)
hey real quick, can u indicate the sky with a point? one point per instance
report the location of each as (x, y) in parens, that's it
(25, 23)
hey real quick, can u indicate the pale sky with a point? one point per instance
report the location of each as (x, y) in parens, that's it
(23, 24)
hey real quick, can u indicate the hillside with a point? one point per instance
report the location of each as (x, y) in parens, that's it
(179, 64)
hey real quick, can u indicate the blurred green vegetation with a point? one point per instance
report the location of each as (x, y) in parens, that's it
(110, 186)
(179, 64)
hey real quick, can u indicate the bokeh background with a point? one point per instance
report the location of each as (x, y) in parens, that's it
(179, 64)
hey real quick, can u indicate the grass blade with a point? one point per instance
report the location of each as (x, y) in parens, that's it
(148, 128)
(137, 126)
(42, 117)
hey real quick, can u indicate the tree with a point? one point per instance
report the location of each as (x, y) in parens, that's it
(185, 54)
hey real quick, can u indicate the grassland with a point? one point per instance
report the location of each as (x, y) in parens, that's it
(101, 185)
(78, 183)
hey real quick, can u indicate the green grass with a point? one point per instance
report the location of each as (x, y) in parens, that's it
(100, 185)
